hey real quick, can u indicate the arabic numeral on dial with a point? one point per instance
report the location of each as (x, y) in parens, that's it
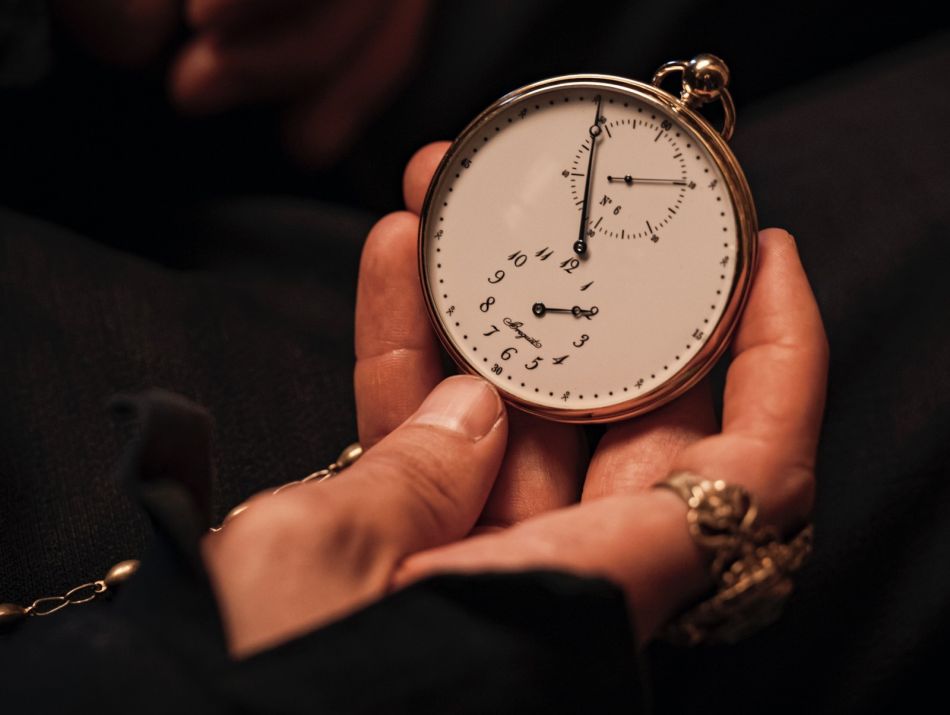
(497, 369)
(498, 277)
(580, 342)
(544, 254)
(617, 210)
(533, 365)
(698, 334)
(492, 331)
(666, 124)
(559, 360)
(489, 302)
(518, 258)
(570, 265)
(508, 352)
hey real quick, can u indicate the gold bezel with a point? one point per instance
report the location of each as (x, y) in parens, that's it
(743, 209)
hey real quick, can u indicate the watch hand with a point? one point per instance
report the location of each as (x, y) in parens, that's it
(580, 245)
(540, 309)
(636, 180)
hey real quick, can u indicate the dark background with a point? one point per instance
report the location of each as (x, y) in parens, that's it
(89, 136)
(140, 248)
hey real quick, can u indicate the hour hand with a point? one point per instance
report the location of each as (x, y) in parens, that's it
(539, 309)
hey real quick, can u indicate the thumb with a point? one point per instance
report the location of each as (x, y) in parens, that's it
(426, 483)
(304, 556)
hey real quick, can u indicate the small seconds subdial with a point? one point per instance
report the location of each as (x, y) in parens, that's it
(640, 177)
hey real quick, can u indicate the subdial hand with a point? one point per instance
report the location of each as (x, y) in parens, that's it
(580, 245)
(539, 309)
(630, 180)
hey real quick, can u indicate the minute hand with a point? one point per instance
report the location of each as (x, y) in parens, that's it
(580, 245)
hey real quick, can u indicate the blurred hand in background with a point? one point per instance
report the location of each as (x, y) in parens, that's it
(327, 67)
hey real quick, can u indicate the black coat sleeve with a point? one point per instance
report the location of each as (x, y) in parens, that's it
(542, 641)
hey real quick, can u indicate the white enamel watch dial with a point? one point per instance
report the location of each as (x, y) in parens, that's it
(586, 245)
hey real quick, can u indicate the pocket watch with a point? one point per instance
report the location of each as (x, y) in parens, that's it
(588, 242)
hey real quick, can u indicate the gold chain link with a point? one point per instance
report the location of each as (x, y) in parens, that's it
(73, 597)
(12, 613)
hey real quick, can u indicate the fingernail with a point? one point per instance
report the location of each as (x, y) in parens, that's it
(462, 404)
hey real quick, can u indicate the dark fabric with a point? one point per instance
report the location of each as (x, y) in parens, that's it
(244, 305)
(501, 643)
(24, 41)
(264, 341)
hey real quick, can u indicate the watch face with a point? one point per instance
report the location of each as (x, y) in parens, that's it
(586, 246)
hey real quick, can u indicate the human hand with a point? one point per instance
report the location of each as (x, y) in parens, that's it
(328, 65)
(773, 403)
(304, 557)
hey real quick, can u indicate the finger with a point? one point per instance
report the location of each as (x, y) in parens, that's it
(639, 541)
(775, 387)
(633, 455)
(775, 390)
(419, 172)
(397, 359)
(217, 71)
(319, 129)
(426, 483)
(542, 470)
